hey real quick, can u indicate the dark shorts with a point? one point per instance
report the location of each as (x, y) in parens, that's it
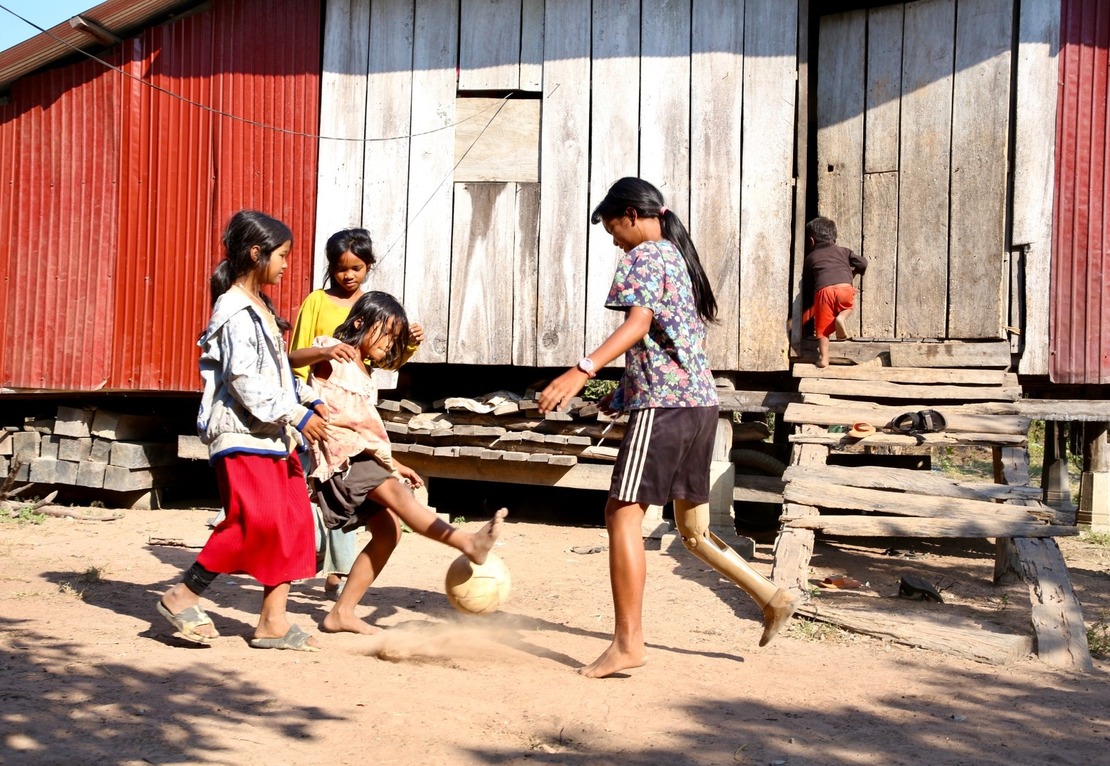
(665, 455)
(343, 498)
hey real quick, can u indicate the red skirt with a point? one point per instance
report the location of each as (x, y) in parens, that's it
(268, 532)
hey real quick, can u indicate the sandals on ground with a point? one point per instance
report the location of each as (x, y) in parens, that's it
(920, 422)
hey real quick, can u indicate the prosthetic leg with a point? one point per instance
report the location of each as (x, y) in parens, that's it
(777, 604)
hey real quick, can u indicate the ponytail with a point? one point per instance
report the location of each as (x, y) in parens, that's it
(675, 231)
(647, 201)
(245, 230)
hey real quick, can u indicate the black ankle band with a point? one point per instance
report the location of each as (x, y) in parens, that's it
(197, 578)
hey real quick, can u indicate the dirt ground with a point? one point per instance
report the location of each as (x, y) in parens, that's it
(90, 674)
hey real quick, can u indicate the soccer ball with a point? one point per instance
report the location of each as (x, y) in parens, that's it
(478, 588)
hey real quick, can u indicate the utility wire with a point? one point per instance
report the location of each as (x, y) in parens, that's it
(237, 118)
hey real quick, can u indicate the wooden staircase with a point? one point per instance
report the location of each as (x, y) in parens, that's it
(875, 501)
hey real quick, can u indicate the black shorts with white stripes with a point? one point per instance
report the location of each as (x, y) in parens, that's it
(665, 454)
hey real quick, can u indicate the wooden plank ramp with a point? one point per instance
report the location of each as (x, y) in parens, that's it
(878, 501)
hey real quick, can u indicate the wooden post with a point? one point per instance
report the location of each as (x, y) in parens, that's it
(1094, 487)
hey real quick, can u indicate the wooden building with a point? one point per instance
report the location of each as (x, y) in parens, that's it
(472, 138)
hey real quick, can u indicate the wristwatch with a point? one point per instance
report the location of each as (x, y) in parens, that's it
(586, 365)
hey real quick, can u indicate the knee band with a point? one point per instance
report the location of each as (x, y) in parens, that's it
(197, 578)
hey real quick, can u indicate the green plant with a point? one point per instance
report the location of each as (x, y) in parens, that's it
(1098, 638)
(1096, 538)
(459, 520)
(598, 387)
(26, 515)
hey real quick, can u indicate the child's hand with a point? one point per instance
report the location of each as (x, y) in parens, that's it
(561, 390)
(605, 403)
(343, 352)
(323, 411)
(407, 473)
(416, 333)
(315, 428)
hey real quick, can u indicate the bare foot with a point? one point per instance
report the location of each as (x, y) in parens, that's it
(481, 542)
(777, 613)
(613, 660)
(339, 623)
(822, 362)
(841, 325)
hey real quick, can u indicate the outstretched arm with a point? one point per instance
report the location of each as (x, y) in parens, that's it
(636, 324)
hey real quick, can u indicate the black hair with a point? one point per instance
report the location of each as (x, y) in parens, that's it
(355, 241)
(377, 309)
(821, 230)
(245, 230)
(639, 195)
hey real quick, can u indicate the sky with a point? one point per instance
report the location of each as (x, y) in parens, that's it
(45, 13)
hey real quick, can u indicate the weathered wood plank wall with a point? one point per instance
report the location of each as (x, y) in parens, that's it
(882, 136)
(614, 143)
(1038, 75)
(977, 251)
(922, 186)
(444, 183)
(716, 92)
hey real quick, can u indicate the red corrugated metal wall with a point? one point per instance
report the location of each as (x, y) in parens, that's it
(59, 139)
(1080, 328)
(158, 178)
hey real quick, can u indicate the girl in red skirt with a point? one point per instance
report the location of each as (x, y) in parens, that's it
(253, 415)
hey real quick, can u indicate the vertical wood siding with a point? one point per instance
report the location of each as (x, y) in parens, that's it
(655, 88)
(1080, 329)
(914, 105)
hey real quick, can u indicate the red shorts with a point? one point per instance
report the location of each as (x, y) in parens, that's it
(827, 304)
(268, 532)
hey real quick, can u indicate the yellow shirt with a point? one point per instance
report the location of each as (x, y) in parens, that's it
(319, 315)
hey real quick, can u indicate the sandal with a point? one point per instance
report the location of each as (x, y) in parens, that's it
(920, 422)
(295, 639)
(187, 621)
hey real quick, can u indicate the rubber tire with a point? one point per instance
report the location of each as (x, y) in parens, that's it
(759, 461)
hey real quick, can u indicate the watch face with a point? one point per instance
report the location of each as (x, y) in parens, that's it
(586, 365)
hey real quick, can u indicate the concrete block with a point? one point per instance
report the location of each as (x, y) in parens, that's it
(124, 427)
(90, 474)
(74, 449)
(5, 466)
(65, 472)
(5, 442)
(48, 446)
(42, 470)
(74, 421)
(142, 454)
(191, 448)
(101, 450)
(25, 444)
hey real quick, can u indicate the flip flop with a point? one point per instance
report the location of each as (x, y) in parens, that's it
(918, 588)
(295, 639)
(187, 621)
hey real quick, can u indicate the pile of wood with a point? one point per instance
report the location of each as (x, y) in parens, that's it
(503, 426)
(92, 448)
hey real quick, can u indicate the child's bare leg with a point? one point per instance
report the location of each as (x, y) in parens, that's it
(841, 323)
(423, 520)
(273, 621)
(385, 534)
(822, 351)
(627, 573)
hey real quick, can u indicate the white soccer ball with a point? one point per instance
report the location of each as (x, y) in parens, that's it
(478, 588)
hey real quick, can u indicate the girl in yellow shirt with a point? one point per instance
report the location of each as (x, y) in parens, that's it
(350, 257)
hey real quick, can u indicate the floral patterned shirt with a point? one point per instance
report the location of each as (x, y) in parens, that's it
(669, 367)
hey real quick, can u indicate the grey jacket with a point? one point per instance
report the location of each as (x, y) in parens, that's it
(252, 402)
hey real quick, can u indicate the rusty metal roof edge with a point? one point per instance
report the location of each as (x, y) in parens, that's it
(120, 17)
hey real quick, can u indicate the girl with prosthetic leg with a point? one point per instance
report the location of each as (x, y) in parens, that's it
(667, 388)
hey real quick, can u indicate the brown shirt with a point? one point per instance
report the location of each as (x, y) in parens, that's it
(830, 264)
